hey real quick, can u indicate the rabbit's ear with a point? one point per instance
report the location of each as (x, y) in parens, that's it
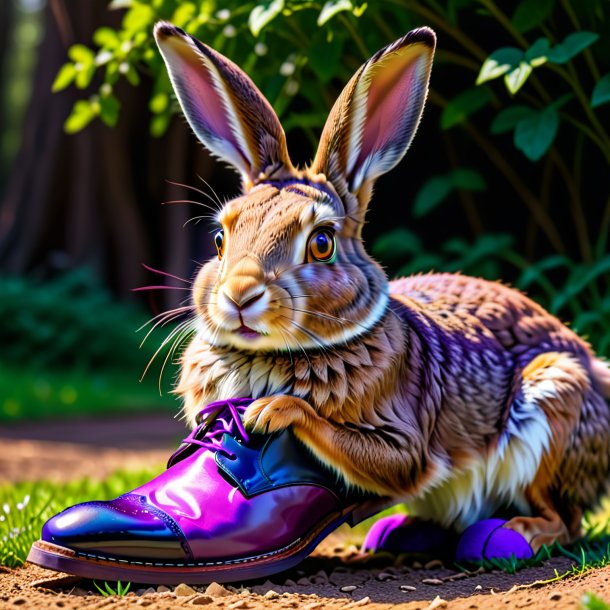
(224, 107)
(373, 122)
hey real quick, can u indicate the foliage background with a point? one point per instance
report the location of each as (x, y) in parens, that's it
(507, 178)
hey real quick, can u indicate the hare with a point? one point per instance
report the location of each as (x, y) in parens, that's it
(455, 394)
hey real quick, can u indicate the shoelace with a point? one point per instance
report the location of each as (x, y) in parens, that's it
(232, 410)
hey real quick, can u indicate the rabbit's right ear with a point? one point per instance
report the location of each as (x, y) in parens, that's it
(374, 120)
(224, 107)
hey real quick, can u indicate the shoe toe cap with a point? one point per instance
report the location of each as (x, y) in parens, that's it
(127, 526)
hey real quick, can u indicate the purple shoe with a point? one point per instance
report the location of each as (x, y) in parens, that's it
(231, 506)
(403, 534)
(488, 539)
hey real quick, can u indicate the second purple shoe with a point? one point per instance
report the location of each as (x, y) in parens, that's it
(231, 506)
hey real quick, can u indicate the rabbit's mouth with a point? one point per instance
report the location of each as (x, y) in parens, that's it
(248, 333)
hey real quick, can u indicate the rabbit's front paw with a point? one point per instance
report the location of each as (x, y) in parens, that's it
(274, 413)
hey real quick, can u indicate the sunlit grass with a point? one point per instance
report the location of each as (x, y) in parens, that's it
(24, 507)
(121, 589)
(30, 395)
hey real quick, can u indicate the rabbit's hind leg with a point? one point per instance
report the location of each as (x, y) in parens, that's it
(574, 470)
(555, 386)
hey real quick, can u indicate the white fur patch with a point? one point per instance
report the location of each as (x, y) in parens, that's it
(461, 498)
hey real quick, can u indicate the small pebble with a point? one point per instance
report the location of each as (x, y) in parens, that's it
(303, 581)
(437, 602)
(432, 565)
(216, 590)
(183, 590)
(383, 576)
(432, 581)
(348, 588)
(408, 588)
(240, 603)
(555, 597)
(149, 591)
(313, 606)
(457, 576)
(140, 592)
(322, 574)
(163, 589)
(271, 594)
(416, 565)
(290, 583)
(478, 588)
(201, 600)
(145, 602)
(361, 602)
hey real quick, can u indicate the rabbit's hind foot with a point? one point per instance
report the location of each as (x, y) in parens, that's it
(403, 534)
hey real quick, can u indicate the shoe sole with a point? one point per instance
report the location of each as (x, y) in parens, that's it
(89, 565)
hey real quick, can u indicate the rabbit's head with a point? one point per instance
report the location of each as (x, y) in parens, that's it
(291, 271)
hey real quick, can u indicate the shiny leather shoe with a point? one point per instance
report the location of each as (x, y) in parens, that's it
(231, 506)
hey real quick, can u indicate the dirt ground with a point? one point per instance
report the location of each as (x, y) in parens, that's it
(335, 576)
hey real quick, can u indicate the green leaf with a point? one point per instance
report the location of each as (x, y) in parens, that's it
(79, 53)
(601, 92)
(516, 78)
(468, 179)
(139, 17)
(109, 110)
(159, 124)
(132, 76)
(64, 77)
(536, 55)
(117, 4)
(396, 244)
(531, 13)
(499, 63)
(331, 8)
(535, 134)
(159, 102)
(359, 10)
(433, 192)
(507, 119)
(263, 14)
(324, 58)
(536, 270)
(463, 105)
(82, 114)
(84, 74)
(571, 46)
(106, 37)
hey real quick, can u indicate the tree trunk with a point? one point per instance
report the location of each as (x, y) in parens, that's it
(94, 198)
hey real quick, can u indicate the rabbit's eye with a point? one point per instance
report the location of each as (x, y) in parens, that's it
(322, 246)
(219, 240)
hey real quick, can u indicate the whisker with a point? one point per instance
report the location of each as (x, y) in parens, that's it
(220, 204)
(165, 273)
(300, 345)
(165, 313)
(175, 201)
(162, 322)
(207, 195)
(325, 316)
(141, 288)
(171, 335)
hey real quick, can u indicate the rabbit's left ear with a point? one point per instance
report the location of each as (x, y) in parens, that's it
(374, 120)
(223, 106)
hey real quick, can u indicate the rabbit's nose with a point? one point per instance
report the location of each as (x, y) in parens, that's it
(244, 298)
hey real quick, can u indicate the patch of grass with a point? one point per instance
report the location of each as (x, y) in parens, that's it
(121, 590)
(24, 507)
(37, 394)
(590, 601)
